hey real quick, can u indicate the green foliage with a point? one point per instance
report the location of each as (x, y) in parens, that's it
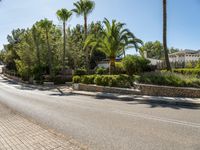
(101, 71)
(119, 68)
(198, 65)
(135, 64)
(155, 50)
(84, 7)
(88, 79)
(169, 79)
(188, 71)
(80, 72)
(114, 40)
(76, 79)
(123, 81)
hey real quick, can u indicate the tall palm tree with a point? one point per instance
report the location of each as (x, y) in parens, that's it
(165, 35)
(84, 8)
(64, 15)
(46, 25)
(114, 41)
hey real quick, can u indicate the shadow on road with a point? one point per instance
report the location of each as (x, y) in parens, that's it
(174, 103)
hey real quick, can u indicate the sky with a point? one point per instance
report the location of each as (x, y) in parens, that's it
(142, 17)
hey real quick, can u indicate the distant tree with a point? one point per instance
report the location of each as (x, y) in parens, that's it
(64, 15)
(153, 49)
(173, 50)
(165, 34)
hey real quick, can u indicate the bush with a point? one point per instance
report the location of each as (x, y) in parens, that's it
(88, 79)
(76, 79)
(198, 65)
(135, 64)
(80, 72)
(101, 71)
(114, 80)
(119, 68)
(188, 71)
(169, 79)
(60, 79)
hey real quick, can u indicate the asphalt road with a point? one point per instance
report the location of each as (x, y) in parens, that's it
(105, 124)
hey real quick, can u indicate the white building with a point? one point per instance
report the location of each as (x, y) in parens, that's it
(184, 56)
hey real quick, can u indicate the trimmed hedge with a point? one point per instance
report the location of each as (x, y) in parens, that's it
(123, 81)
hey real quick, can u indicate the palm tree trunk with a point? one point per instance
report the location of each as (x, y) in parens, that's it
(165, 34)
(64, 45)
(85, 26)
(49, 54)
(112, 66)
(86, 50)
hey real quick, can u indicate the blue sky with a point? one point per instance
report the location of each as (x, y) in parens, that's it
(143, 17)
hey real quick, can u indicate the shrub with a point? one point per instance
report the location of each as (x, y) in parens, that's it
(198, 65)
(60, 79)
(76, 79)
(119, 68)
(188, 71)
(135, 64)
(169, 79)
(114, 80)
(101, 71)
(80, 72)
(88, 79)
(98, 80)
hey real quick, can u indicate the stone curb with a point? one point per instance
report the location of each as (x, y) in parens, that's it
(140, 98)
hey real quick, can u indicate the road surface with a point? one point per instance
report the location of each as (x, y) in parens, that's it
(105, 124)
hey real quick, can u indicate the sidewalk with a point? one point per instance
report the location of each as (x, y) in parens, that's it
(18, 133)
(139, 98)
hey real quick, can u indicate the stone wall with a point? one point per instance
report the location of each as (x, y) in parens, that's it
(104, 89)
(144, 89)
(168, 91)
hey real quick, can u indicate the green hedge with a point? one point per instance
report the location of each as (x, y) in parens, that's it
(123, 81)
(170, 79)
(188, 71)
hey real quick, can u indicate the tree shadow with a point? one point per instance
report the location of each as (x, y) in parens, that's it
(174, 103)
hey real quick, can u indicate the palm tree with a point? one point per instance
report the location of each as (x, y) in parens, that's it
(46, 25)
(114, 41)
(64, 15)
(84, 8)
(165, 34)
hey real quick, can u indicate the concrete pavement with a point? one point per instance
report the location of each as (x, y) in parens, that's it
(104, 124)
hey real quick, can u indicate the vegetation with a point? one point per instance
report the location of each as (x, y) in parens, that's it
(113, 41)
(64, 15)
(170, 79)
(124, 81)
(45, 52)
(135, 64)
(187, 71)
(155, 50)
(84, 8)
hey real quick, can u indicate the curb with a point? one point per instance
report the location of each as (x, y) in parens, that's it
(140, 98)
